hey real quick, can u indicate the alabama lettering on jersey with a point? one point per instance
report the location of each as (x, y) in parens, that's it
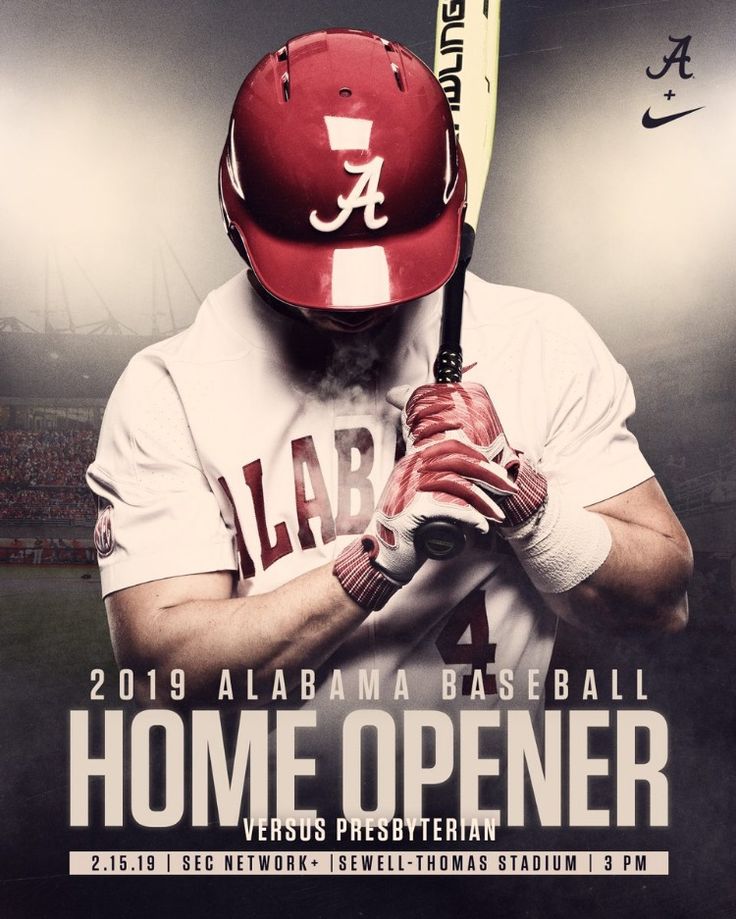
(219, 452)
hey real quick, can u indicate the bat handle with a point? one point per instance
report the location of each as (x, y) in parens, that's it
(448, 366)
(443, 539)
(439, 539)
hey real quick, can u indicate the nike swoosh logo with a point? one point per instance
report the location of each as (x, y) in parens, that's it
(651, 122)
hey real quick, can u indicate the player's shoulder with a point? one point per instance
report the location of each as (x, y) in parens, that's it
(219, 332)
(148, 375)
(222, 329)
(520, 319)
(501, 304)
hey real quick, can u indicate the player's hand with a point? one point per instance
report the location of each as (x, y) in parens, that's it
(439, 410)
(465, 412)
(447, 480)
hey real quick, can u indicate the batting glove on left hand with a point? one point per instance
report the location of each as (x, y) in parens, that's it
(449, 481)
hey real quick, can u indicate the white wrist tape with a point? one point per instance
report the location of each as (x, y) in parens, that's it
(561, 545)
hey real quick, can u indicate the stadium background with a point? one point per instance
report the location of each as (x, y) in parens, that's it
(107, 252)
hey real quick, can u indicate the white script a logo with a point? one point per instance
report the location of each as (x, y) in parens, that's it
(364, 194)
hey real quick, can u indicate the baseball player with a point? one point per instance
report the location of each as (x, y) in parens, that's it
(262, 475)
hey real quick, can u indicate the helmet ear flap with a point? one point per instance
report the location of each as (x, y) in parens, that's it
(237, 241)
(225, 189)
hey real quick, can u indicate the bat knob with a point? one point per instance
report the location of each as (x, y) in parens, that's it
(439, 539)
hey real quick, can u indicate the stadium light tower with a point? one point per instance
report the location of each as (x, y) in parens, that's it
(13, 324)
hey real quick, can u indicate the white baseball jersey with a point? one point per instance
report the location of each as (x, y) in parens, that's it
(218, 452)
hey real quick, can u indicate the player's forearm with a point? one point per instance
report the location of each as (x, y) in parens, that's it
(295, 626)
(640, 586)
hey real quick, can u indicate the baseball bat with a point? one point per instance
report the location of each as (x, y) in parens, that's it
(466, 65)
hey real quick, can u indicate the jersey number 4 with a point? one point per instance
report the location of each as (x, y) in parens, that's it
(469, 614)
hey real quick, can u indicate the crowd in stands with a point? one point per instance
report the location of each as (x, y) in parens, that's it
(46, 551)
(63, 505)
(42, 476)
(57, 458)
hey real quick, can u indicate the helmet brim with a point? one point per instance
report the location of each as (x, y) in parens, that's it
(357, 276)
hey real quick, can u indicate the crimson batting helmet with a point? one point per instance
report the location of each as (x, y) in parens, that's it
(341, 182)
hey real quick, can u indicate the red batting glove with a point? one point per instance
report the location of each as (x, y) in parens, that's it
(448, 480)
(465, 411)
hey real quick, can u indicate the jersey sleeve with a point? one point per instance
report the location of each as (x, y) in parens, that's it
(157, 515)
(590, 451)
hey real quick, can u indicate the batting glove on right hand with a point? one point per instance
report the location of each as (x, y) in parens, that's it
(465, 411)
(447, 480)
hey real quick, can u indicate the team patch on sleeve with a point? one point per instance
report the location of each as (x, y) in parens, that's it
(103, 537)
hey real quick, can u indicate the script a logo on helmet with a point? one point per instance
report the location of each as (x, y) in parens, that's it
(364, 194)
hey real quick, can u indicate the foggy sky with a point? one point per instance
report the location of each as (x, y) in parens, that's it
(114, 114)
